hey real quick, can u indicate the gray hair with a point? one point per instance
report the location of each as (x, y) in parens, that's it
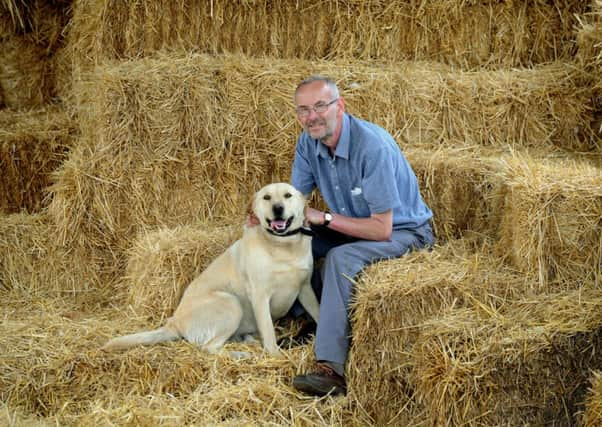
(318, 78)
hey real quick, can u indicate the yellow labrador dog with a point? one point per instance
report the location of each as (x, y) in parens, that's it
(255, 281)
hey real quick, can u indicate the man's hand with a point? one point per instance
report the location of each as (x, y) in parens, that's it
(314, 216)
(252, 221)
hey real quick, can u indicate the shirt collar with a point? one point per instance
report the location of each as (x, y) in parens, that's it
(342, 149)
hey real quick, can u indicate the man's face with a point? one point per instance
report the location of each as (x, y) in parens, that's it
(320, 126)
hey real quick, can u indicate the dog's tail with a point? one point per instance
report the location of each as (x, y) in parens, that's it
(142, 338)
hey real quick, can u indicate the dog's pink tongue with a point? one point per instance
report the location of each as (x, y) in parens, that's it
(278, 225)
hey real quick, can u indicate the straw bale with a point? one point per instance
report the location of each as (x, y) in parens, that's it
(552, 219)
(51, 367)
(63, 76)
(32, 145)
(30, 34)
(2, 104)
(394, 298)
(593, 405)
(462, 188)
(162, 263)
(589, 56)
(32, 263)
(589, 36)
(17, 418)
(42, 21)
(25, 73)
(526, 364)
(470, 34)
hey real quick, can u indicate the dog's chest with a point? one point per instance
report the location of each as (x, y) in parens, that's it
(285, 288)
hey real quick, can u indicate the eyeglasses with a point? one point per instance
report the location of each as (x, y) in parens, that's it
(319, 108)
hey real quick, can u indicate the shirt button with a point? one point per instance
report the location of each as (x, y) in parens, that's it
(336, 187)
(343, 209)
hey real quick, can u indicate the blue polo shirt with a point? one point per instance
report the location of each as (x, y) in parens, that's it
(368, 174)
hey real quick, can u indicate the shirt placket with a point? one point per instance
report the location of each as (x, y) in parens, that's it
(337, 188)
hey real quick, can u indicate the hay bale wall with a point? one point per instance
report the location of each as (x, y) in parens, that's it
(156, 131)
(171, 139)
(25, 73)
(463, 189)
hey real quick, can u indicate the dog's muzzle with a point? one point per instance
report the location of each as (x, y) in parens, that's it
(280, 225)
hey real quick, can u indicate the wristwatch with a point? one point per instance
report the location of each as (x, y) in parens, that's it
(327, 218)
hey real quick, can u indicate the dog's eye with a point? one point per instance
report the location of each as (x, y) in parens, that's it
(267, 197)
(288, 195)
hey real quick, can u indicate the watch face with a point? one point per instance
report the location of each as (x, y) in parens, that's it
(328, 216)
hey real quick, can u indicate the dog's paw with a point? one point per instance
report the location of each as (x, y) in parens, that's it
(274, 352)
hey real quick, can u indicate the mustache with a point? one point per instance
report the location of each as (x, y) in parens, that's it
(315, 122)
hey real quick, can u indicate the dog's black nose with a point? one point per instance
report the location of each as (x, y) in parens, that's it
(278, 210)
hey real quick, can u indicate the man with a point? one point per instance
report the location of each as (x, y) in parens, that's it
(376, 212)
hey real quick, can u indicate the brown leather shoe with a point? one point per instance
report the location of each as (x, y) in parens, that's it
(321, 382)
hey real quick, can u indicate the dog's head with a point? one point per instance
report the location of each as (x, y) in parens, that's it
(279, 207)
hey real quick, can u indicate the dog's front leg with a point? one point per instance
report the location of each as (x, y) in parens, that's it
(263, 317)
(309, 301)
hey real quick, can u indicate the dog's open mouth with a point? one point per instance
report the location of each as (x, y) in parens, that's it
(278, 225)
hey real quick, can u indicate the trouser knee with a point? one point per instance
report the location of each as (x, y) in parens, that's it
(343, 261)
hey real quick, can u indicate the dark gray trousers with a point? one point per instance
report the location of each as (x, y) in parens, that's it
(345, 257)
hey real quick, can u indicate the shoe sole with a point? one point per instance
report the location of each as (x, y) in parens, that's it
(311, 389)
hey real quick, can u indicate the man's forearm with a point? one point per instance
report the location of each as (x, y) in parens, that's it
(377, 227)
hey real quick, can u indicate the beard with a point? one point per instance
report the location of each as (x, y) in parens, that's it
(323, 133)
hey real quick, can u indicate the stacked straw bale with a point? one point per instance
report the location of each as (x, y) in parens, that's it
(589, 37)
(428, 327)
(466, 33)
(25, 73)
(539, 221)
(525, 364)
(498, 327)
(30, 34)
(552, 219)
(33, 264)
(463, 187)
(394, 298)
(589, 56)
(162, 263)
(175, 139)
(32, 145)
(593, 407)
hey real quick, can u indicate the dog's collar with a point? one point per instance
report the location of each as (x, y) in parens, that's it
(302, 230)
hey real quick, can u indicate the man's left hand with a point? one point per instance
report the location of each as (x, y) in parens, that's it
(314, 216)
